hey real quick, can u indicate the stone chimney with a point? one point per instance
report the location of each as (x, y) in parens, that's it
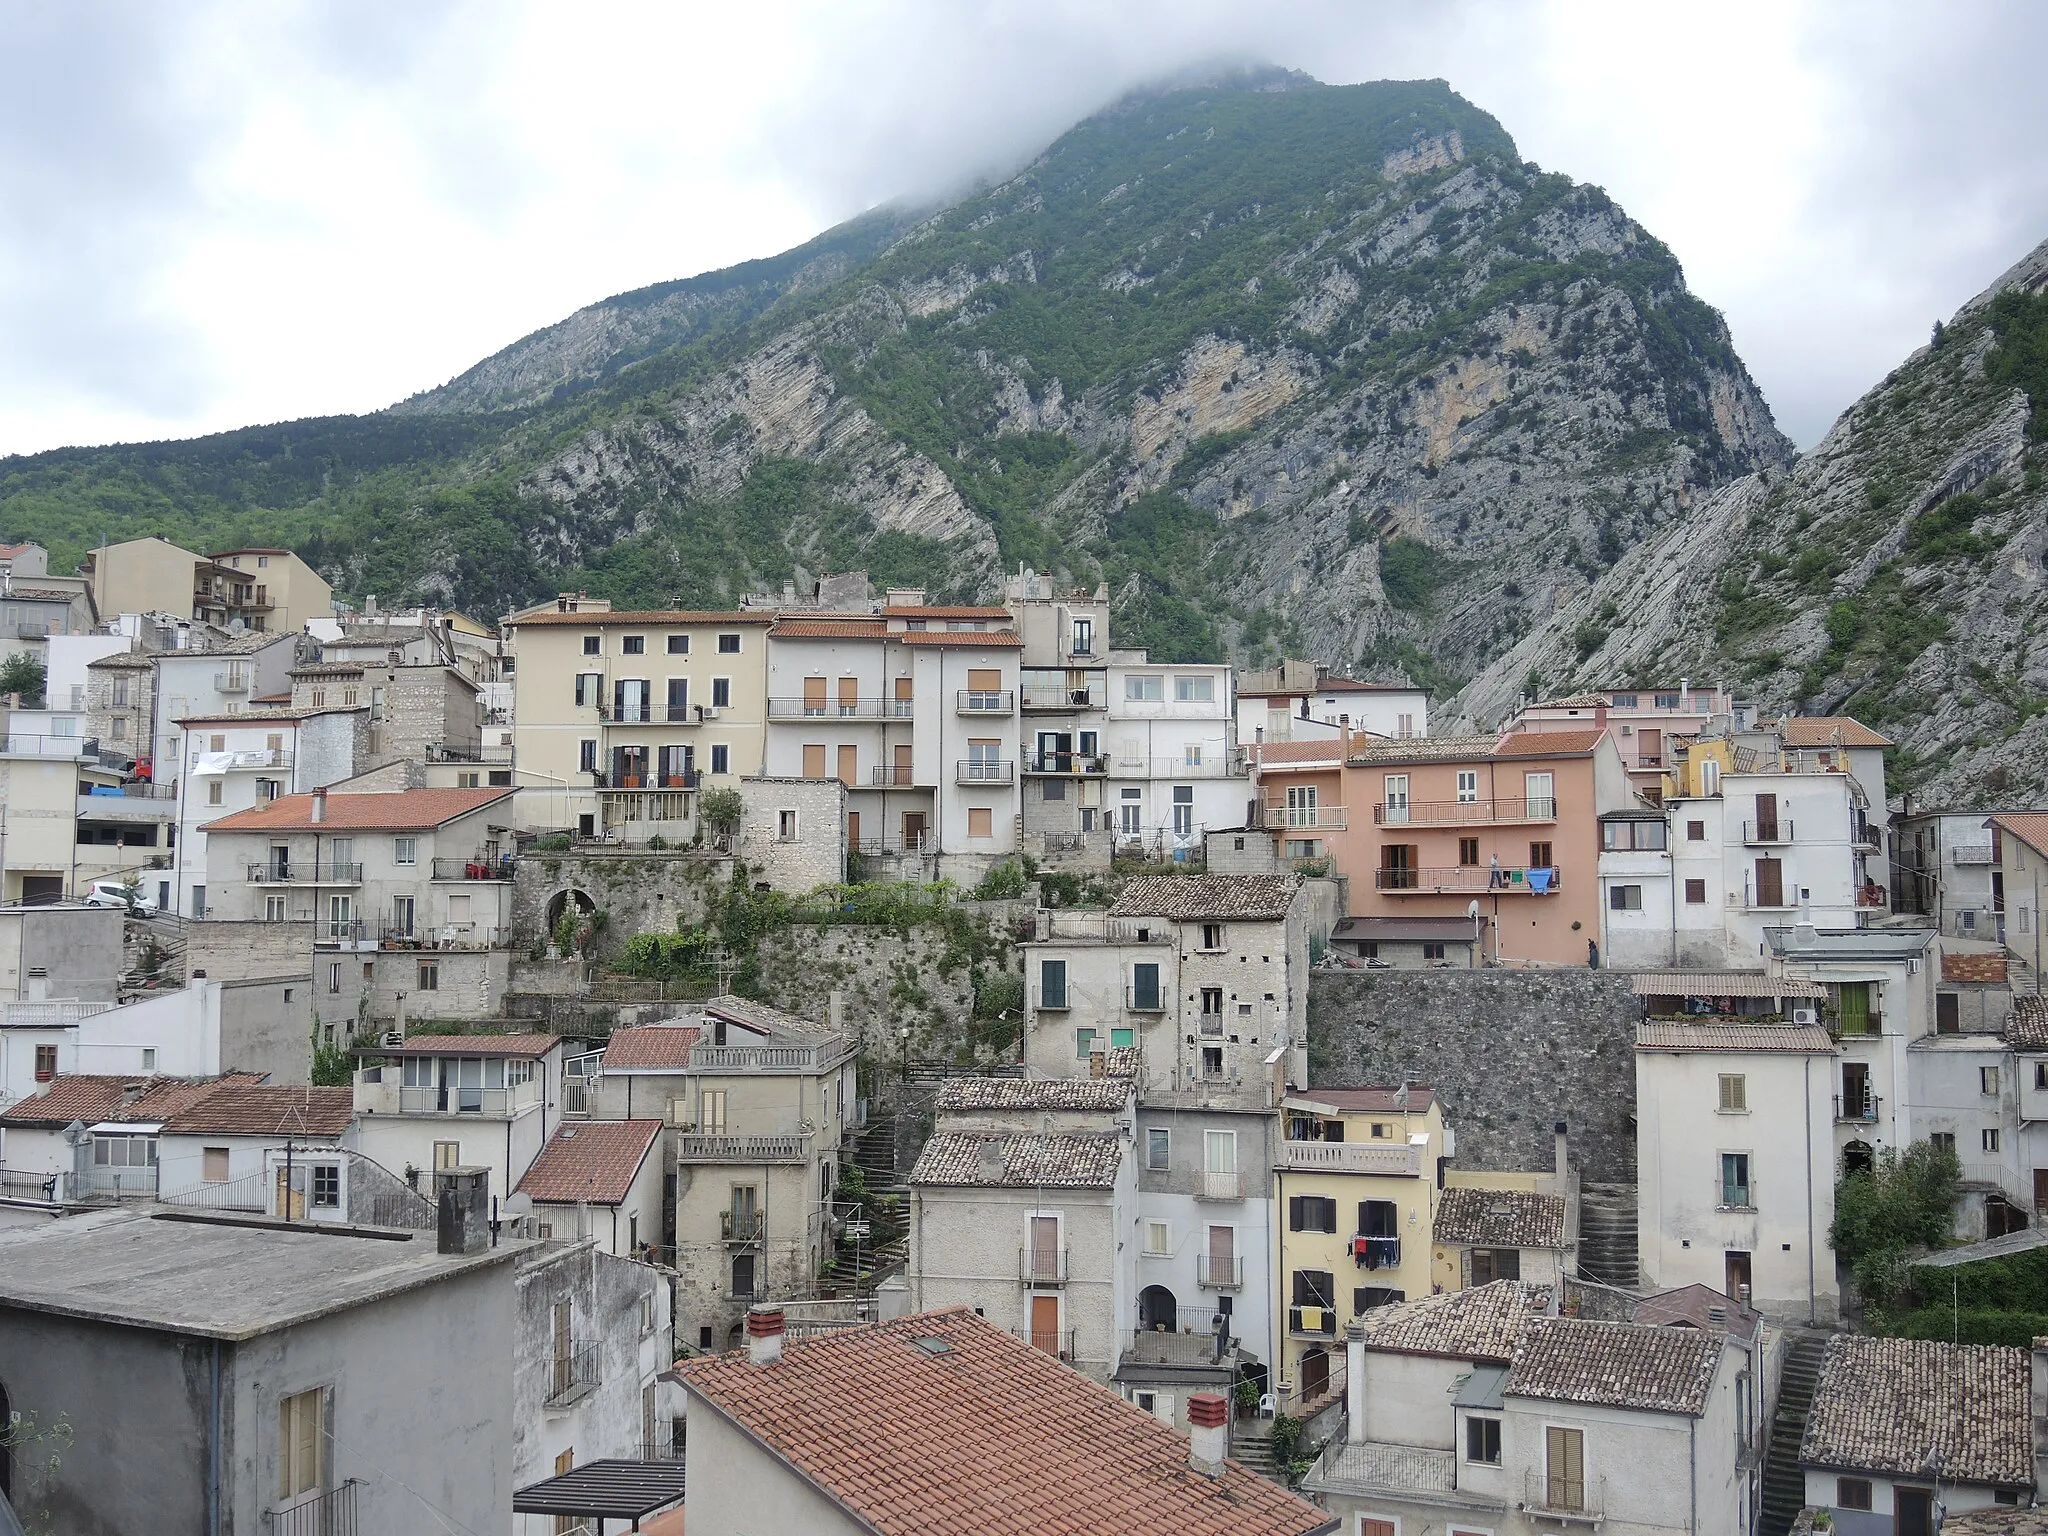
(2040, 1413)
(1563, 1160)
(462, 1196)
(1208, 1433)
(319, 805)
(1354, 1382)
(764, 1335)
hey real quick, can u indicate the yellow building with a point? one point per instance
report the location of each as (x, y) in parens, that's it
(266, 589)
(620, 719)
(150, 575)
(1357, 1189)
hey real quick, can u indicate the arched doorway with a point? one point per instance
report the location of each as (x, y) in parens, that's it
(571, 900)
(1315, 1373)
(1857, 1157)
(1157, 1310)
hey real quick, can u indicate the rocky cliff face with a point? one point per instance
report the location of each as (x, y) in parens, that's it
(1894, 572)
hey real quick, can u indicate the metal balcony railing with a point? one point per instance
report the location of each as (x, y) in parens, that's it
(1219, 1186)
(975, 701)
(1349, 1157)
(1376, 1252)
(787, 707)
(332, 1513)
(1460, 813)
(983, 770)
(1042, 1266)
(893, 776)
(1855, 1108)
(1868, 1026)
(1312, 1322)
(1510, 880)
(1971, 853)
(308, 873)
(1557, 1497)
(1220, 1272)
(1087, 763)
(575, 1373)
(741, 1228)
(111, 1183)
(1762, 834)
(1090, 697)
(478, 868)
(1278, 816)
(1054, 1341)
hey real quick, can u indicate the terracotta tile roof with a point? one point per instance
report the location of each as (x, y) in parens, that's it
(1693, 1306)
(641, 617)
(942, 611)
(1828, 731)
(1500, 1218)
(1281, 754)
(125, 660)
(1621, 1365)
(1372, 1099)
(2026, 1027)
(2030, 827)
(1057, 1161)
(745, 1010)
(594, 1160)
(1997, 1520)
(651, 1048)
(1882, 1405)
(266, 1109)
(1423, 749)
(1548, 743)
(829, 629)
(407, 811)
(1122, 1061)
(238, 645)
(94, 1097)
(1258, 898)
(530, 1045)
(1721, 984)
(1480, 1324)
(1108, 1094)
(1672, 1035)
(1983, 968)
(1002, 638)
(941, 1424)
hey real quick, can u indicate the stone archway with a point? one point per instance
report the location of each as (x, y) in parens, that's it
(1157, 1309)
(1858, 1157)
(562, 901)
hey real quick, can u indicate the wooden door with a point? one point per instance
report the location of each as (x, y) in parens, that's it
(814, 760)
(899, 765)
(849, 765)
(913, 831)
(814, 695)
(2041, 1189)
(1767, 818)
(1045, 1324)
(1315, 1374)
(853, 830)
(1735, 1269)
(1770, 883)
(849, 695)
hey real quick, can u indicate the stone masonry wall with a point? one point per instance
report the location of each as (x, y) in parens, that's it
(644, 892)
(887, 981)
(1509, 1053)
(793, 837)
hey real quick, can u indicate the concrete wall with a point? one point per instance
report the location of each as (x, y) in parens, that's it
(740, 1489)
(80, 948)
(266, 1025)
(1509, 1053)
(227, 950)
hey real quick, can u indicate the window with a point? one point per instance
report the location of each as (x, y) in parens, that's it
(1132, 810)
(1145, 986)
(1667, 701)
(430, 975)
(1311, 1213)
(1158, 1147)
(720, 757)
(1491, 1264)
(1468, 852)
(1852, 1493)
(135, 1151)
(1695, 831)
(465, 781)
(633, 645)
(1219, 1151)
(589, 689)
(1991, 1138)
(1468, 786)
(1482, 1440)
(1987, 1080)
(814, 760)
(1194, 690)
(120, 725)
(405, 850)
(327, 1186)
(1084, 637)
(1564, 1464)
(1397, 798)
(1084, 1043)
(1158, 1239)
(586, 755)
(1734, 1093)
(149, 1058)
(721, 693)
(593, 645)
(334, 976)
(447, 1154)
(213, 1165)
(1948, 1013)
(1052, 983)
(273, 909)
(679, 645)
(728, 645)
(1183, 810)
(1735, 1190)
(213, 791)
(1365, 1297)
(2041, 1074)
(1625, 835)
(1432, 951)
(679, 698)
(46, 1063)
(1052, 789)
(1539, 856)
(1945, 1140)
(1625, 898)
(1695, 892)
(981, 821)
(301, 1444)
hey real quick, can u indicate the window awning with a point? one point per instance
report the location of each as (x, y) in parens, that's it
(605, 1490)
(1721, 984)
(125, 1128)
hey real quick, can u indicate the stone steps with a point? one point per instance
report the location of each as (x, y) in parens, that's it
(1607, 1234)
(1784, 1482)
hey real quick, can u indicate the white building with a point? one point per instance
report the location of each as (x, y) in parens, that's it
(1170, 745)
(1736, 1161)
(448, 1101)
(1945, 867)
(1063, 690)
(1301, 701)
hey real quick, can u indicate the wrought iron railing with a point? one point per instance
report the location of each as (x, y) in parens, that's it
(575, 1371)
(332, 1513)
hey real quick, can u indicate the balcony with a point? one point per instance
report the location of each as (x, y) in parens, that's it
(230, 682)
(1568, 1500)
(102, 1182)
(1376, 1253)
(343, 933)
(1140, 1000)
(307, 873)
(741, 1229)
(761, 1058)
(1858, 1109)
(1972, 853)
(1873, 897)
(1055, 1341)
(1219, 1186)
(257, 757)
(1390, 1158)
(1464, 813)
(450, 1099)
(1864, 837)
(621, 807)
(1182, 767)
(895, 776)
(332, 1513)
(473, 869)
(1062, 698)
(980, 770)
(1083, 763)
(575, 1373)
(1156, 1346)
(694, 1148)
(1766, 834)
(1508, 880)
(151, 802)
(22, 744)
(974, 701)
(1278, 816)
(788, 708)
(1042, 1266)
(1312, 1322)
(1219, 1272)
(1868, 1027)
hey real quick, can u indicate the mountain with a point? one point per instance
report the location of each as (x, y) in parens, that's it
(1894, 573)
(1328, 370)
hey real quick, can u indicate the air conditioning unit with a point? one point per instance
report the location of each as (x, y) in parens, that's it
(710, 711)
(1805, 1015)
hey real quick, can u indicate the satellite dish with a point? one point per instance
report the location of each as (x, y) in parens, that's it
(1472, 908)
(518, 1207)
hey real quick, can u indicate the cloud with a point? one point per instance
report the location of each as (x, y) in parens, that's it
(232, 211)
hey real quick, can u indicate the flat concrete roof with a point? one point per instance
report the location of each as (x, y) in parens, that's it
(215, 1279)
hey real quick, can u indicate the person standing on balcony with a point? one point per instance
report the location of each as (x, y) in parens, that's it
(1493, 874)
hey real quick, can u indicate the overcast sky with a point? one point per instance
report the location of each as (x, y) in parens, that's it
(213, 214)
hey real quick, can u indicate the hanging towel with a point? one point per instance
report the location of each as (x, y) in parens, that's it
(1539, 880)
(1311, 1319)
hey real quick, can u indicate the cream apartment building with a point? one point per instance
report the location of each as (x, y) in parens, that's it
(620, 719)
(262, 589)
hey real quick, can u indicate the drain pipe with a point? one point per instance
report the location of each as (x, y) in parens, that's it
(213, 1449)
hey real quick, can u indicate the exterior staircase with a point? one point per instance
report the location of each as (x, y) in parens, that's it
(1251, 1443)
(1784, 1483)
(1607, 1234)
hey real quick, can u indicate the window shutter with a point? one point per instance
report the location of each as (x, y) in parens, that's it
(1294, 1213)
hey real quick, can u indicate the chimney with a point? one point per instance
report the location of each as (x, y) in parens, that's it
(370, 606)
(2040, 1412)
(1562, 1163)
(132, 1090)
(38, 984)
(991, 1161)
(1208, 1433)
(1354, 1381)
(835, 1011)
(462, 1196)
(319, 805)
(764, 1335)
(1805, 935)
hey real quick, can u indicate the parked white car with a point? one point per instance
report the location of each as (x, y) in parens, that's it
(112, 893)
